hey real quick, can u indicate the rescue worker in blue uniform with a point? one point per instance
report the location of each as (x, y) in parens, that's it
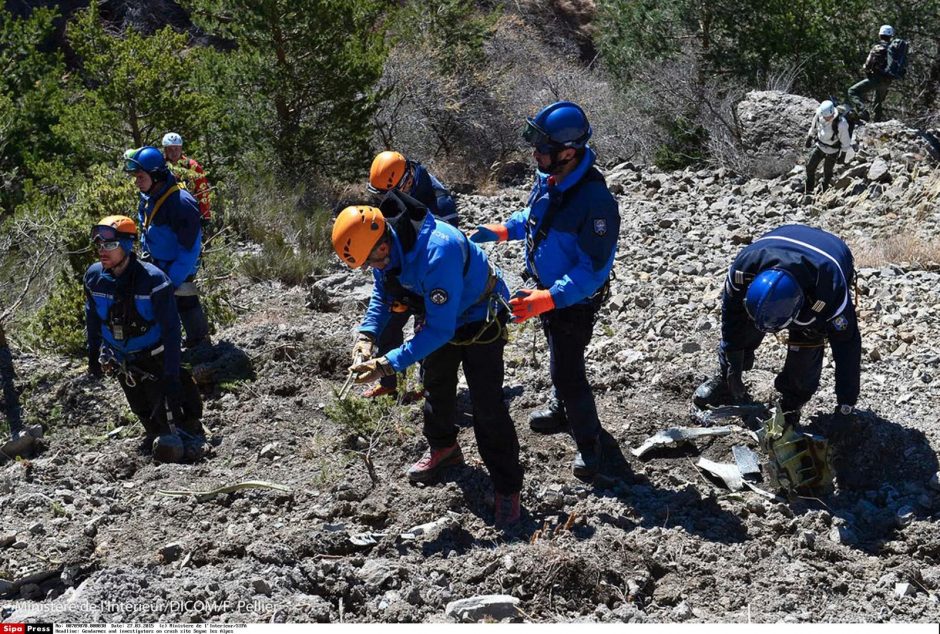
(391, 171)
(462, 298)
(134, 331)
(171, 236)
(570, 226)
(797, 278)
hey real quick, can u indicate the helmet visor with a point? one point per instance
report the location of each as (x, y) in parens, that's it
(539, 138)
(131, 165)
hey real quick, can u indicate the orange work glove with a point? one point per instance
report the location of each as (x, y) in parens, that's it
(528, 302)
(489, 233)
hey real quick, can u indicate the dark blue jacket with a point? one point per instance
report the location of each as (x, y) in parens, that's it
(824, 268)
(432, 268)
(430, 192)
(172, 235)
(575, 258)
(154, 301)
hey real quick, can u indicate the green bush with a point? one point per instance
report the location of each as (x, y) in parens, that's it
(278, 261)
(685, 145)
(59, 325)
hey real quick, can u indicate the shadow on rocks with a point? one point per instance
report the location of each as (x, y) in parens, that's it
(223, 362)
(665, 508)
(882, 472)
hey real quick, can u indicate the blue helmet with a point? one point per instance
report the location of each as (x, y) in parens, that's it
(150, 160)
(773, 300)
(560, 125)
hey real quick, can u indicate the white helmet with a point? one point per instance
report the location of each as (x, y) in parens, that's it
(826, 110)
(886, 30)
(172, 138)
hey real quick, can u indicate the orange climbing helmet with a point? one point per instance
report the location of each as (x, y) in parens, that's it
(356, 232)
(114, 228)
(390, 170)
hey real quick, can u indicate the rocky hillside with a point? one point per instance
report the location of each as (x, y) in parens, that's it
(84, 526)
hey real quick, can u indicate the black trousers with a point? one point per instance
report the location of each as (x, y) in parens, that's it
(193, 317)
(391, 337)
(493, 427)
(569, 332)
(147, 398)
(802, 369)
(829, 164)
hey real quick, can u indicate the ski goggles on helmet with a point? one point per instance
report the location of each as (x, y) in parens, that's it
(102, 236)
(539, 138)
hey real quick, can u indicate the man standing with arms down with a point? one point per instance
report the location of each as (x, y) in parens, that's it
(570, 226)
(171, 235)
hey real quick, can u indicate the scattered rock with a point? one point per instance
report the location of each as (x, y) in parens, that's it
(491, 606)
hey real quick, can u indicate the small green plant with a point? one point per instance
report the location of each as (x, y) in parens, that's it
(281, 262)
(360, 416)
(57, 509)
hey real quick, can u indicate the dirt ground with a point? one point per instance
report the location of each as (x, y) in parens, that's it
(86, 534)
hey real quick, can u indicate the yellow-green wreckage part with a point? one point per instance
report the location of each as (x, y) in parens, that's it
(204, 496)
(798, 461)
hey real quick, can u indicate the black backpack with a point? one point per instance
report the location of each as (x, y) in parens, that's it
(897, 58)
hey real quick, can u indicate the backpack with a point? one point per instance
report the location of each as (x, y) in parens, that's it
(846, 112)
(897, 58)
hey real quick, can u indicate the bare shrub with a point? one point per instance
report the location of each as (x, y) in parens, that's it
(466, 127)
(905, 248)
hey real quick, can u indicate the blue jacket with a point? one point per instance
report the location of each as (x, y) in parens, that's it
(575, 258)
(154, 301)
(433, 268)
(824, 268)
(433, 195)
(172, 236)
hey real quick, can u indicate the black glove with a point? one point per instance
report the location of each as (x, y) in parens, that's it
(173, 393)
(808, 143)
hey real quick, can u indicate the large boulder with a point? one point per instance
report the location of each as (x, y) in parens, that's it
(774, 125)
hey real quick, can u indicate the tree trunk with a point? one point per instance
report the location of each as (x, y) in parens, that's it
(11, 398)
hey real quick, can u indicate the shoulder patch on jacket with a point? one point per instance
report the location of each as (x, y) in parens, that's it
(840, 323)
(438, 296)
(600, 226)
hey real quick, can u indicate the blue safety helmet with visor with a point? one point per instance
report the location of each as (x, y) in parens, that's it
(773, 300)
(147, 159)
(560, 125)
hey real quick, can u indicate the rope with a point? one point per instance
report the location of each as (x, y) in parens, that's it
(492, 315)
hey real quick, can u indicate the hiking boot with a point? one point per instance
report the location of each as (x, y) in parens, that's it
(146, 444)
(712, 393)
(549, 420)
(168, 448)
(587, 461)
(192, 344)
(433, 461)
(507, 511)
(380, 390)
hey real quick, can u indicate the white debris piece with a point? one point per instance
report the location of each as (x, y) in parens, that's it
(494, 606)
(727, 472)
(675, 435)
